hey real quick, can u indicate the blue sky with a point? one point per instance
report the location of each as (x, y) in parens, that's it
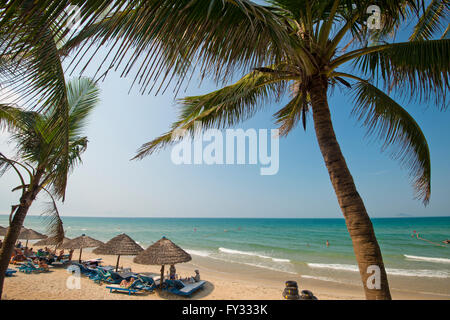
(109, 184)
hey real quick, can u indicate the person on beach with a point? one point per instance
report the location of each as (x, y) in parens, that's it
(1, 244)
(42, 264)
(26, 252)
(197, 276)
(173, 272)
(60, 256)
(328, 244)
(70, 254)
(126, 284)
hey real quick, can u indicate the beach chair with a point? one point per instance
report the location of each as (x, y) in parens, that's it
(30, 267)
(133, 288)
(10, 272)
(84, 270)
(105, 276)
(150, 281)
(181, 288)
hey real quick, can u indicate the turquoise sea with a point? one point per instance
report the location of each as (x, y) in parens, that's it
(295, 246)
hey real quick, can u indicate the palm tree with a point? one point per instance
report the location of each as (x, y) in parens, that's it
(323, 37)
(39, 156)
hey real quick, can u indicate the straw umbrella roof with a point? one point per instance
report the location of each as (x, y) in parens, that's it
(120, 245)
(163, 252)
(30, 234)
(50, 241)
(81, 242)
(25, 234)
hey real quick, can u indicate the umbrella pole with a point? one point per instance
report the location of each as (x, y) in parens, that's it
(26, 244)
(79, 259)
(117, 264)
(162, 277)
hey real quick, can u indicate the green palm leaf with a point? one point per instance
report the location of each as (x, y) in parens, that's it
(225, 35)
(420, 66)
(387, 120)
(225, 107)
(432, 20)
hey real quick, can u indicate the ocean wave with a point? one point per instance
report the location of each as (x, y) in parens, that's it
(344, 267)
(254, 254)
(198, 253)
(390, 271)
(429, 259)
(266, 267)
(324, 279)
(210, 255)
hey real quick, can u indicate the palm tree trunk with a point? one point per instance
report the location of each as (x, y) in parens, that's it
(365, 245)
(16, 224)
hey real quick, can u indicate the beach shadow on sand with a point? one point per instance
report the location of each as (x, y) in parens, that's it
(205, 291)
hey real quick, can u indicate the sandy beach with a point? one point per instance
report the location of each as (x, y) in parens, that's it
(224, 282)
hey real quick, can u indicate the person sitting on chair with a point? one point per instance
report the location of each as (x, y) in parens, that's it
(70, 254)
(172, 272)
(42, 264)
(126, 284)
(60, 256)
(197, 276)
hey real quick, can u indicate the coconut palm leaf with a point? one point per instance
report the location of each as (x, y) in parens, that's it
(432, 21)
(12, 118)
(184, 30)
(296, 110)
(388, 121)
(83, 95)
(421, 66)
(52, 219)
(225, 107)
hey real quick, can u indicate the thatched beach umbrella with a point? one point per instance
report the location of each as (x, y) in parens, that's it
(30, 234)
(51, 241)
(163, 252)
(119, 245)
(81, 242)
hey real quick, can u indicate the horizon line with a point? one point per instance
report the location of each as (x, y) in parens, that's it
(159, 217)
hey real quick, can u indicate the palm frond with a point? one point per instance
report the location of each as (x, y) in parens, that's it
(297, 109)
(432, 20)
(13, 118)
(224, 35)
(420, 66)
(53, 220)
(83, 96)
(391, 123)
(225, 107)
(40, 80)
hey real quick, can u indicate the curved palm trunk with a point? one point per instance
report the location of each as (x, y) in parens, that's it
(16, 224)
(365, 245)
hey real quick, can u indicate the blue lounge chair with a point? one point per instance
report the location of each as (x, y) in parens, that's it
(148, 280)
(135, 287)
(181, 288)
(84, 270)
(30, 267)
(105, 276)
(10, 272)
